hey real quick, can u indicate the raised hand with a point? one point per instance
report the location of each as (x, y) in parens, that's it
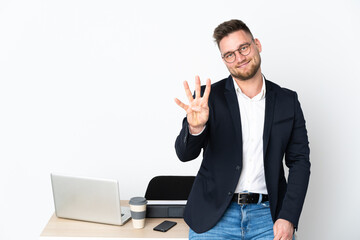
(198, 109)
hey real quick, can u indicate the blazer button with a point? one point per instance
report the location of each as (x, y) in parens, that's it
(230, 193)
(237, 168)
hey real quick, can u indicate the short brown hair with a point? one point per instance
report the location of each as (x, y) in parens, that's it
(228, 27)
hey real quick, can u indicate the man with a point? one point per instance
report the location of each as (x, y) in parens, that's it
(245, 127)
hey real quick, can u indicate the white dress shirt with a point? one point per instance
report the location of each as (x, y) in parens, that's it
(252, 113)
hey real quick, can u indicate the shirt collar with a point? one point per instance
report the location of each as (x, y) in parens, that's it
(258, 97)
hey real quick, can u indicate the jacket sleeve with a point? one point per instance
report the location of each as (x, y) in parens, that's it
(187, 146)
(297, 160)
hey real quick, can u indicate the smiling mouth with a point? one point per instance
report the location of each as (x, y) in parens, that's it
(243, 65)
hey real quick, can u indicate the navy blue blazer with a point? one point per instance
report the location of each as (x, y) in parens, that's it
(221, 141)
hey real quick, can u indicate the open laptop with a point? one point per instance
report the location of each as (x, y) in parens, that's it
(88, 199)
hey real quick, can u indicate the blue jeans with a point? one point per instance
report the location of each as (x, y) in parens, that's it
(245, 222)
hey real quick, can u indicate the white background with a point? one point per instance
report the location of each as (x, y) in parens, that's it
(87, 88)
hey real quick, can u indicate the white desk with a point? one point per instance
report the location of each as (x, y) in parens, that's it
(65, 229)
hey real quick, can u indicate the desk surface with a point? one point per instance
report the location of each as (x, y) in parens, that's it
(66, 229)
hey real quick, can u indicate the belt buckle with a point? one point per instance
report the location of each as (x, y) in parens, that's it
(239, 198)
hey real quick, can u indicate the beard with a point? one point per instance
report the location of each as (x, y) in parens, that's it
(249, 73)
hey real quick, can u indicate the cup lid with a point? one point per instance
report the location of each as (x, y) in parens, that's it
(138, 201)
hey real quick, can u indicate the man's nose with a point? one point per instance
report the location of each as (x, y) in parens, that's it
(239, 57)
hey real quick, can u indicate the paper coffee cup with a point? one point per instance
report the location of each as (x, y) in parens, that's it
(138, 211)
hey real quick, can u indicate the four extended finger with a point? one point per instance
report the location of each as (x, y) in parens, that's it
(197, 92)
(207, 90)
(197, 87)
(188, 92)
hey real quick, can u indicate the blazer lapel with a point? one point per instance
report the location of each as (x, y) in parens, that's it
(269, 114)
(233, 104)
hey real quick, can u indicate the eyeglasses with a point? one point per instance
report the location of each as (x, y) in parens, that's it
(244, 50)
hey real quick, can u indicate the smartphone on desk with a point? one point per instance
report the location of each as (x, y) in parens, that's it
(164, 226)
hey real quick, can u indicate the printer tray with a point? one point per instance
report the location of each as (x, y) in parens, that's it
(165, 211)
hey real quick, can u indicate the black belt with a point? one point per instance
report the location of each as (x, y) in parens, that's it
(247, 198)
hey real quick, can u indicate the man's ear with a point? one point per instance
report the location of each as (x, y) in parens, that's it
(258, 44)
